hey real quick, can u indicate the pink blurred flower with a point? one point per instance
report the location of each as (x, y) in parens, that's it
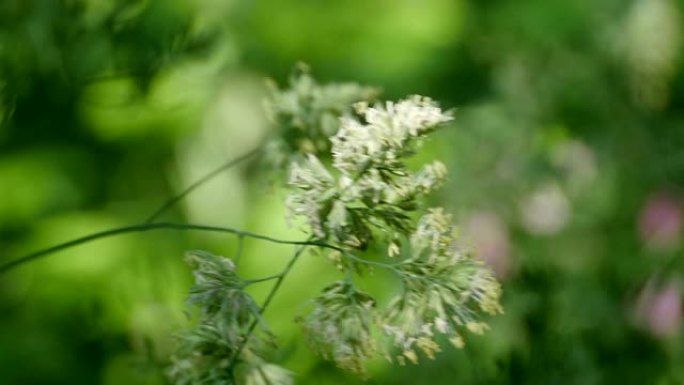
(660, 309)
(660, 222)
(489, 236)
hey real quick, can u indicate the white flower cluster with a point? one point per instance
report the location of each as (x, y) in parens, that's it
(308, 113)
(315, 187)
(374, 189)
(443, 290)
(339, 327)
(385, 135)
(371, 193)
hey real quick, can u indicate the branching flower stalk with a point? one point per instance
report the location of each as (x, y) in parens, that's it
(349, 343)
(224, 311)
(230, 330)
(370, 197)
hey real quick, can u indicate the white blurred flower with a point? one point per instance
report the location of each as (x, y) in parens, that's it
(546, 211)
(652, 38)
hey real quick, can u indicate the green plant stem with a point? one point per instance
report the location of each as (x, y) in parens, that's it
(283, 274)
(240, 247)
(148, 222)
(354, 258)
(267, 301)
(142, 228)
(211, 175)
(264, 279)
(178, 227)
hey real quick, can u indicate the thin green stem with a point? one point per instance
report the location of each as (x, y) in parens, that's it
(240, 247)
(178, 227)
(142, 228)
(211, 175)
(365, 261)
(264, 279)
(349, 276)
(284, 273)
(148, 224)
(267, 301)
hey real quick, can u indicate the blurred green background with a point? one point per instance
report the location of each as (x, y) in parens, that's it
(566, 173)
